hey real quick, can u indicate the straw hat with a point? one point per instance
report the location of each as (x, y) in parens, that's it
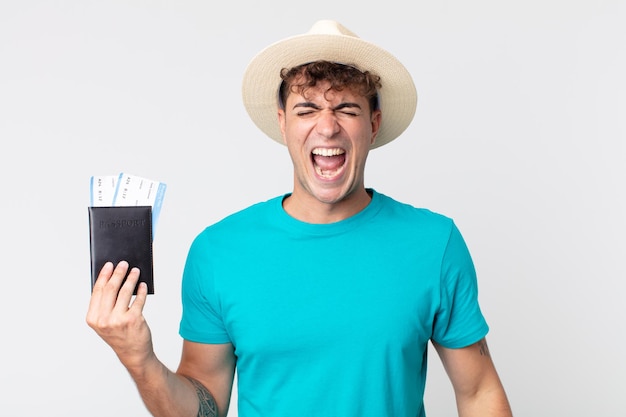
(330, 41)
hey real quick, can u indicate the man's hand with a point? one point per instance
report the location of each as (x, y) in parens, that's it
(118, 319)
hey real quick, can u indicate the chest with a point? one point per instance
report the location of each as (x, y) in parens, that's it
(335, 303)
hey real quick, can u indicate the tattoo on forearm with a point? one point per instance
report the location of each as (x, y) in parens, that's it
(484, 349)
(207, 408)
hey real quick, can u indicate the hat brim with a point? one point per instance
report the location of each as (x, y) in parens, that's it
(397, 96)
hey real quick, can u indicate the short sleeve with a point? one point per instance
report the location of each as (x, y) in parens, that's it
(459, 321)
(201, 319)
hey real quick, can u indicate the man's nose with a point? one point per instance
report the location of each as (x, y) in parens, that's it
(327, 124)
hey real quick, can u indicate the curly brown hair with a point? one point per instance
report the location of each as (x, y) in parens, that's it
(302, 77)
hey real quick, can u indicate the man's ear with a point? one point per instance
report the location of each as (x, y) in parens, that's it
(281, 123)
(377, 118)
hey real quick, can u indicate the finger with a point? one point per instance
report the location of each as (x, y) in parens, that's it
(112, 286)
(140, 300)
(128, 288)
(96, 294)
(103, 276)
(119, 274)
(98, 287)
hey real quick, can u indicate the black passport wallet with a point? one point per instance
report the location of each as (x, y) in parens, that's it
(122, 233)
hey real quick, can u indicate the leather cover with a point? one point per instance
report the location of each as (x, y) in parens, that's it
(122, 233)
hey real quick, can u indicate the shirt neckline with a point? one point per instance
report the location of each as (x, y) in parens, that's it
(321, 229)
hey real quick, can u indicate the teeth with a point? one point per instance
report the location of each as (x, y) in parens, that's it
(328, 152)
(325, 173)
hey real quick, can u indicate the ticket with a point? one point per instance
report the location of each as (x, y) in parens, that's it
(128, 190)
(132, 190)
(103, 190)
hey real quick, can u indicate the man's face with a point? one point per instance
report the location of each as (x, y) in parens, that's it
(328, 135)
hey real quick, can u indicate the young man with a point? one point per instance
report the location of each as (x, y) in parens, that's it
(324, 299)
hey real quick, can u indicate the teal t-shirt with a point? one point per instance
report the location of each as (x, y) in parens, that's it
(333, 319)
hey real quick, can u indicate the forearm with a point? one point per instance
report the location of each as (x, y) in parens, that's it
(490, 402)
(477, 386)
(167, 394)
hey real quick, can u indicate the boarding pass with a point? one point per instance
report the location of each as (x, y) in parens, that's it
(127, 190)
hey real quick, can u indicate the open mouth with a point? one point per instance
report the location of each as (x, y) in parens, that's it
(328, 162)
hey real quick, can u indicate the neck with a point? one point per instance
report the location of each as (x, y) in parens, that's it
(307, 208)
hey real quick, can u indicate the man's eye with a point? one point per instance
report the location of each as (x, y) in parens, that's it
(305, 113)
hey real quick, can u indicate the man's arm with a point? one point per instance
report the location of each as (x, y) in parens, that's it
(201, 387)
(201, 391)
(477, 386)
(211, 370)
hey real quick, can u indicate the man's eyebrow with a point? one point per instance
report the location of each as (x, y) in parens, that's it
(347, 105)
(308, 104)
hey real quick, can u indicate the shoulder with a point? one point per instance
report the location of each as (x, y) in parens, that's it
(240, 222)
(251, 213)
(413, 216)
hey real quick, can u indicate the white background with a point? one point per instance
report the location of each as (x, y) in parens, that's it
(519, 136)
